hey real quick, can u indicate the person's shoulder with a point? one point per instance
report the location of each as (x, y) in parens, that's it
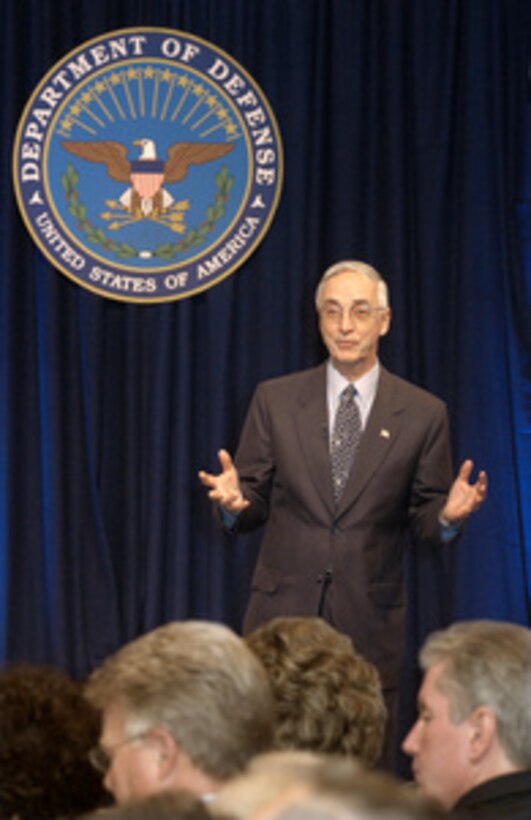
(411, 393)
(293, 382)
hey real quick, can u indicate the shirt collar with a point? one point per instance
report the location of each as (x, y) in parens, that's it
(366, 386)
(366, 390)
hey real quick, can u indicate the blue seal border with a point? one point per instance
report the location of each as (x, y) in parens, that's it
(219, 259)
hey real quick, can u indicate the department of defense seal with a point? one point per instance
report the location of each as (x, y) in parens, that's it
(147, 165)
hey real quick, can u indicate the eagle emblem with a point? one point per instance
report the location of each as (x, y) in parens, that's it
(153, 170)
(147, 196)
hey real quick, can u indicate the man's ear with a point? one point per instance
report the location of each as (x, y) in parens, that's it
(385, 321)
(483, 732)
(167, 749)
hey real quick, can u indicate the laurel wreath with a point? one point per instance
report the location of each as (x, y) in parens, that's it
(97, 236)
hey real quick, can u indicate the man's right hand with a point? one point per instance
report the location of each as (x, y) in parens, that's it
(224, 488)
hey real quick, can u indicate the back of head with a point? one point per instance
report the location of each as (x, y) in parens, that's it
(163, 806)
(46, 730)
(328, 698)
(487, 663)
(371, 794)
(292, 785)
(319, 807)
(266, 777)
(199, 681)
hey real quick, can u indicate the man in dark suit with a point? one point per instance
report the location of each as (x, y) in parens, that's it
(337, 551)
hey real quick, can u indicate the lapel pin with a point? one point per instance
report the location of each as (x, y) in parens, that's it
(385, 433)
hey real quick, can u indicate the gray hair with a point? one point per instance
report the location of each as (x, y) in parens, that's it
(356, 267)
(201, 683)
(298, 785)
(487, 663)
(331, 807)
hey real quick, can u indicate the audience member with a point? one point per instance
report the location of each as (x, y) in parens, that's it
(266, 777)
(46, 730)
(295, 785)
(361, 807)
(178, 805)
(471, 743)
(184, 707)
(327, 697)
(358, 793)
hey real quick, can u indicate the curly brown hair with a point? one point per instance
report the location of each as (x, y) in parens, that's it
(328, 698)
(46, 730)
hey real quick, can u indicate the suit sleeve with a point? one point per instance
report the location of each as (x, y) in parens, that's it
(255, 462)
(432, 479)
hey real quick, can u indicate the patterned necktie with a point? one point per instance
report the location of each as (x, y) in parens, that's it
(345, 439)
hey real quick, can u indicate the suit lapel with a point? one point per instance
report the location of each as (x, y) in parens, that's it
(378, 438)
(312, 428)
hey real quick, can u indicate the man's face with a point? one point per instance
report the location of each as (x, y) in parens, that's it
(351, 322)
(133, 766)
(440, 748)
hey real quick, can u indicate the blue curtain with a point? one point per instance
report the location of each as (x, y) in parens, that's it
(403, 126)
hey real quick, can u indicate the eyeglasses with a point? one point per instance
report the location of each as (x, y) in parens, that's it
(362, 312)
(102, 758)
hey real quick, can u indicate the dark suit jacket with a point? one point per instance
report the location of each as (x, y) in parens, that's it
(400, 478)
(506, 796)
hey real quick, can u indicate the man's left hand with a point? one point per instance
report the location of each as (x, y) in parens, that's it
(464, 498)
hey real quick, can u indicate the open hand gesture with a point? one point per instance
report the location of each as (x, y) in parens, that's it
(465, 498)
(224, 488)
